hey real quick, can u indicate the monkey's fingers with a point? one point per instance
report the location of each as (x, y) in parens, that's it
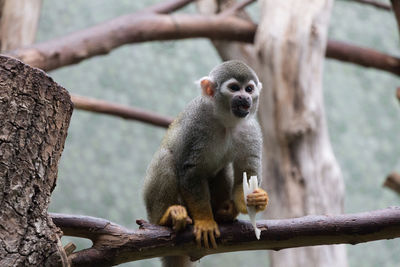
(197, 234)
(178, 225)
(258, 198)
(255, 201)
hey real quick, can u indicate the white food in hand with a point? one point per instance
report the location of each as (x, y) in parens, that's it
(248, 188)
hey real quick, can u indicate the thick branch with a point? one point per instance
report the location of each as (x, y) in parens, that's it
(113, 244)
(104, 107)
(101, 39)
(363, 56)
(375, 4)
(393, 182)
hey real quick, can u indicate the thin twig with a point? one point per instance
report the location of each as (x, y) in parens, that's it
(104, 107)
(167, 7)
(238, 6)
(398, 93)
(393, 182)
(374, 4)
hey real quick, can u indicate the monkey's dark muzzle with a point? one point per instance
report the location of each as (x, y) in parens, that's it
(241, 106)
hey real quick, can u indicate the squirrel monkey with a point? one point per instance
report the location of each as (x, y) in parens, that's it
(196, 176)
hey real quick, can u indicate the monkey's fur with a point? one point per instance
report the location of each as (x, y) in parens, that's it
(197, 174)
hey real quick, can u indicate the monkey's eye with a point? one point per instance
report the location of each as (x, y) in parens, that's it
(234, 87)
(249, 89)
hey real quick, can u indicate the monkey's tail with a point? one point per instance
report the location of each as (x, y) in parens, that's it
(177, 261)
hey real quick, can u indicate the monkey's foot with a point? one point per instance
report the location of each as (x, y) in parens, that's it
(258, 199)
(177, 217)
(206, 230)
(227, 212)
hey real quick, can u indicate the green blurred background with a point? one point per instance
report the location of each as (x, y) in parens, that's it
(105, 158)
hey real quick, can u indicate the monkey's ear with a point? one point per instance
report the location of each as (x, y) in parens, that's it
(259, 86)
(207, 86)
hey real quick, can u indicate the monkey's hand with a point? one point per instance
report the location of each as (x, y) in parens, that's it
(176, 216)
(227, 212)
(206, 230)
(258, 199)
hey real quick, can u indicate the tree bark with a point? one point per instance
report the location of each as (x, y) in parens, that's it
(18, 24)
(300, 171)
(34, 117)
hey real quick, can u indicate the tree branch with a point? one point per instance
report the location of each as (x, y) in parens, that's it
(238, 6)
(375, 4)
(114, 244)
(166, 7)
(101, 39)
(393, 182)
(363, 56)
(104, 107)
(398, 93)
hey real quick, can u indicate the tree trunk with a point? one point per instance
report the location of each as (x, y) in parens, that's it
(34, 117)
(300, 170)
(18, 24)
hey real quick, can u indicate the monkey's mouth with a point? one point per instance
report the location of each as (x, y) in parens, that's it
(241, 110)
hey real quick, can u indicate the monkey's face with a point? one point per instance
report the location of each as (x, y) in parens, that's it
(240, 98)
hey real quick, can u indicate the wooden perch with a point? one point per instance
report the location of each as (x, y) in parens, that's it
(114, 244)
(393, 182)
(142, 27)
(104, 107)
(376, 4)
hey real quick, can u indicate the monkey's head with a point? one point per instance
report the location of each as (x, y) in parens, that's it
(234, 87)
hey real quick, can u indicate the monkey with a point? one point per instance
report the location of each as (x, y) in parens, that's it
(196, 175)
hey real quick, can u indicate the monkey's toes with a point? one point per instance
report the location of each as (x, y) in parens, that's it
(206, 231)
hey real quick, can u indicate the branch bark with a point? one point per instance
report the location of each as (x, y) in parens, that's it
(104, 107)
(135, 28)
(114, 244)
